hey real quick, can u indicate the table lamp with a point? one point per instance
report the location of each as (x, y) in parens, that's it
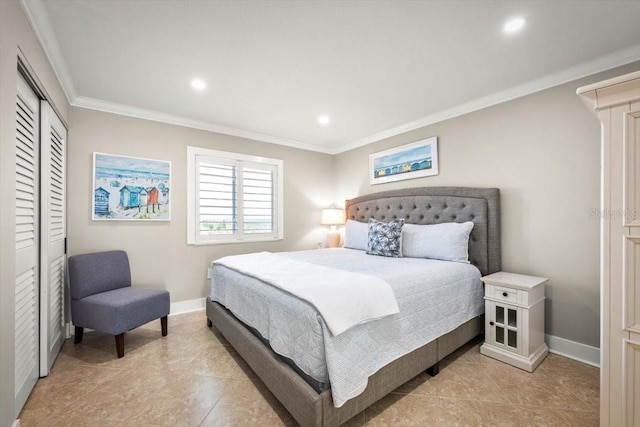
(332, 217)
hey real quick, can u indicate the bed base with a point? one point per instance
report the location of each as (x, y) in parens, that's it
(310, 408)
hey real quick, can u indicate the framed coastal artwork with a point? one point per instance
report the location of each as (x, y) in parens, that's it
(409, 161)
(131, 188)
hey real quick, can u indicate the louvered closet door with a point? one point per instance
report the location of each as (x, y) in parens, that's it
(27, 252)
(52, 236)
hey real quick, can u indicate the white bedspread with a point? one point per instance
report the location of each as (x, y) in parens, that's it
(343, 299)
(434, 298)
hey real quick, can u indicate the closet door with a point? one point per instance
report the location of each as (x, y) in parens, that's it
(27, 245)
(52, 236)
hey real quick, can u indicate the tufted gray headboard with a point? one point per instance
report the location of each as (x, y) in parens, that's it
(433, 205)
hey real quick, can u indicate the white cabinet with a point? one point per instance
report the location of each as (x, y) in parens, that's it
(514, 319)
(617, 104)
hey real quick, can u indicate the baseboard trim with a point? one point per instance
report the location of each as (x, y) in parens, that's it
(16, 423)
(188, 306)
(574, 350)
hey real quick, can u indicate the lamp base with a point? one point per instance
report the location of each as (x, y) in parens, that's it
(333, 239)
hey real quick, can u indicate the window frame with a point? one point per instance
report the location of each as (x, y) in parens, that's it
(194, 237)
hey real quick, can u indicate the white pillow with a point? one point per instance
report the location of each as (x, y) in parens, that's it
(356, 235)
(448, 241)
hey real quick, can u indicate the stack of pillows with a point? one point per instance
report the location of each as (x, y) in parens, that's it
(448, 241)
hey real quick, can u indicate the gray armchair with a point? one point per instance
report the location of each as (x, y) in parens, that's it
(103, 299)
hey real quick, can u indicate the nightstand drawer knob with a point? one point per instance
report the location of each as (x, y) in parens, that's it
(491, 323)
(504, 294)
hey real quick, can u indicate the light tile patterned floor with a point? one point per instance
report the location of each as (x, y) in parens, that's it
(193, 377)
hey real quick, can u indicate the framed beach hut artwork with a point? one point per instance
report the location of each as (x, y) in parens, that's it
(413, 160)
(131, 188)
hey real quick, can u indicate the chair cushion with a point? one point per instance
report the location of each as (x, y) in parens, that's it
(120, 310)
(98, 272)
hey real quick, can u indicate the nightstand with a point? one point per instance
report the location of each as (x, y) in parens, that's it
(514, 319)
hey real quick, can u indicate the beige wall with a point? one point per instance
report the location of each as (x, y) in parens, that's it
(158, 251)
(16, 35)
(543, 152)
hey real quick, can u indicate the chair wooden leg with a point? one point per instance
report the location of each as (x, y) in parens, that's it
(77, 337)
(163, 322)
(120, 345)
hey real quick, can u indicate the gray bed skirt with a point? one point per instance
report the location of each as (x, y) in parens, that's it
(310, 408)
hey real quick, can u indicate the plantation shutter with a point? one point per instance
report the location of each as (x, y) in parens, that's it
(235, 198)
(53, 234)
(27, 220)
(258, 198)
(217, 197)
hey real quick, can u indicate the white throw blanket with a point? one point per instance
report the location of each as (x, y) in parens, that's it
(344, 299)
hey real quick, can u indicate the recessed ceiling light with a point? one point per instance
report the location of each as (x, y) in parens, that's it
(324, 120)
(198, 84)
(513, 25)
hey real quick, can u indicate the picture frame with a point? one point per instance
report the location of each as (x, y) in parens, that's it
(415, 160)
(130, 188)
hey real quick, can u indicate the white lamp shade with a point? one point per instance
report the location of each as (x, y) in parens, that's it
(332, 216)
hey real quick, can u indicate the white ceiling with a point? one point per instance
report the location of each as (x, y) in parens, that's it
(377, 68)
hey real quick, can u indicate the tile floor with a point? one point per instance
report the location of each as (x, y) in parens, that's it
(193, 377)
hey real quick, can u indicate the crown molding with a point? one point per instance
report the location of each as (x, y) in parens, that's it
(615, 91)
(141, 113)
(41, 25)
(603, 63)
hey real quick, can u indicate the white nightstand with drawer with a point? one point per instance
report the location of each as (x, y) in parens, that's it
(514, 319)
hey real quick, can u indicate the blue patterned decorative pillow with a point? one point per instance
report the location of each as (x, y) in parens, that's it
(385, 238)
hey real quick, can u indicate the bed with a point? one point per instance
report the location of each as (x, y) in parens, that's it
(308, 397)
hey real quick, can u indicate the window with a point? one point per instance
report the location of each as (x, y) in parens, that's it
(232, 198)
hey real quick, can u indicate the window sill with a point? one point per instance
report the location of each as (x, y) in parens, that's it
(235, 241)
